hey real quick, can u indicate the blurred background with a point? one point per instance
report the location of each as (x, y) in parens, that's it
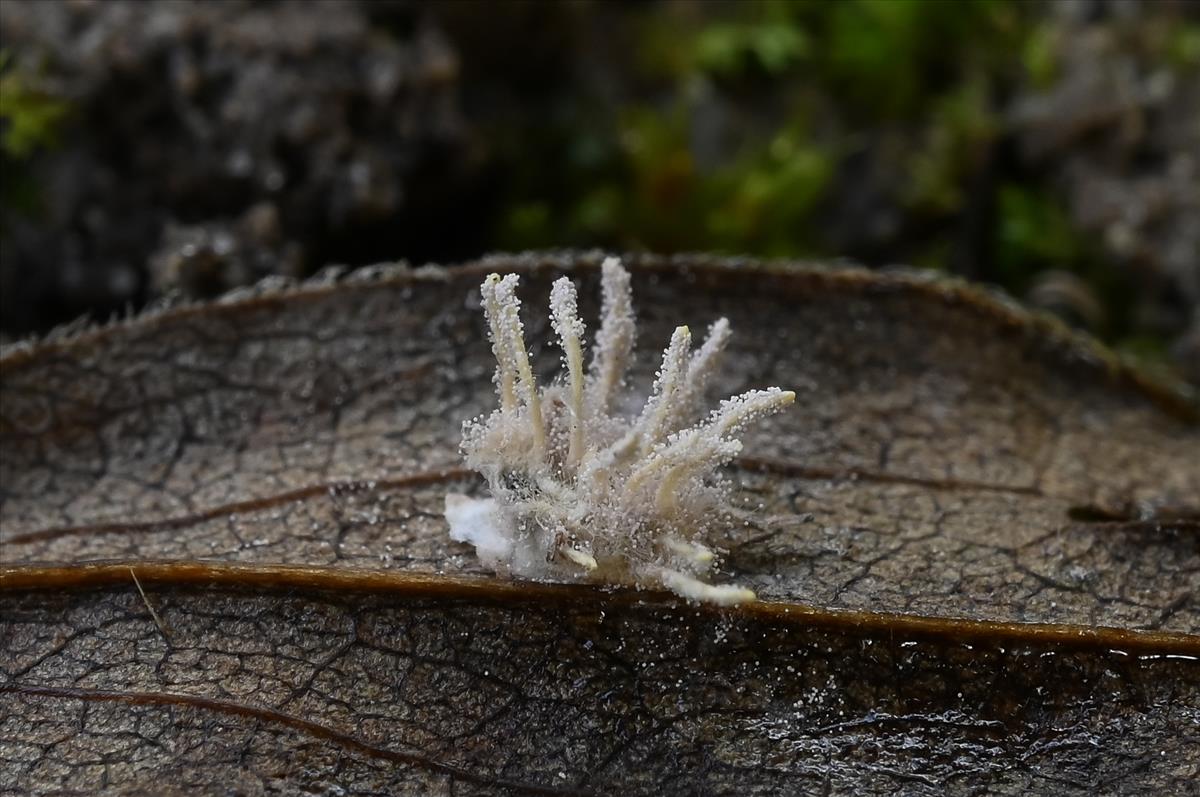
(180, 149)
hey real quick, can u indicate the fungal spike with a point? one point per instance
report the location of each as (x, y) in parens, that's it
(700, 369)
(597, 463)
(584, 560)
(652, 426)
(694, 589)
(626, 486)
(565, 319)
(501, 343)
(511, 327)
(614, 338)
(736, 412)
(691, 452)
(694, 553)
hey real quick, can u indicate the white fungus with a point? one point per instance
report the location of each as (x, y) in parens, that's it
(579, 492)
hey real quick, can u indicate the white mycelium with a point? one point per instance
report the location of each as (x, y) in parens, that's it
(580, 492)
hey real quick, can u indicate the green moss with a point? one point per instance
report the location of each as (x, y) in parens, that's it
(30, 118)
(1039, 56)
(31, 121)
(1034, 234)
(527, 226)
(740, 127)
(1183, 47)
(762, 202)
(961, 125)
(886, 58)
(772, 44)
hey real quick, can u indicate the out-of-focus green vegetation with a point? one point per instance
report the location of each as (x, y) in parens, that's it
(788, 87)
(30, 120)
(1040, 146)
(29, 117)
(762, 127)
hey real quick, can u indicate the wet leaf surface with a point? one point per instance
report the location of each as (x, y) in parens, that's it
(979, 546)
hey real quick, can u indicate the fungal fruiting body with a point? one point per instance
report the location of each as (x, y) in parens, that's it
(579, 492)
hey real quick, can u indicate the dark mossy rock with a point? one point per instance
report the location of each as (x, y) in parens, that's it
(207, 145)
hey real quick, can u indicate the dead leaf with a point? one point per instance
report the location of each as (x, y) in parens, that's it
(978, 547)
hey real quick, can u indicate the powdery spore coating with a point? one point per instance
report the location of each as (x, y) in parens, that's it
(579, 493)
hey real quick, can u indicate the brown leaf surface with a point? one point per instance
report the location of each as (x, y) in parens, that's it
(978, 540)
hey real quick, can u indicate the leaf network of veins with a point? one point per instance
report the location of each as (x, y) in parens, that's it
(580, 490)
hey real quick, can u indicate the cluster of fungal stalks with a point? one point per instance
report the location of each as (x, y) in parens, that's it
(579, 492)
